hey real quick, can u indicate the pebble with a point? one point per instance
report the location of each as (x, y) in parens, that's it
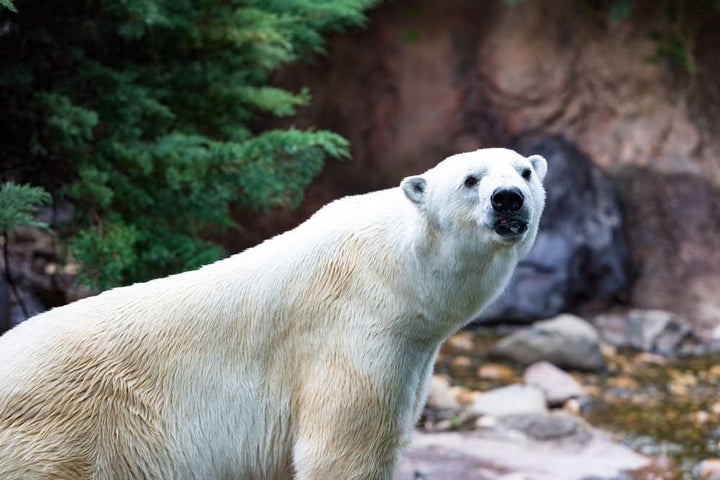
(440, 395)
(651, 358)
(557, 386)
(710, 468)
(461, 361)
(464, 395)
(462, 341)
(701, 417)
(573, 406)
(623, 382)
(511, 400)
(495, 371)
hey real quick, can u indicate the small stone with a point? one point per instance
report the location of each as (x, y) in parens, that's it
(461, 361)
(461, 341)
(715, 408)
(701, 417)
(710, 468)
(514, 399)
(593, 390)
(608, 350)
(573, 406)
(623, 382)
(440, 395)
(486, 421)
(678, 389)
(650, 358)
(495, 371)
(463, 395)
(443, 425)
(715, 371)
(557, 386)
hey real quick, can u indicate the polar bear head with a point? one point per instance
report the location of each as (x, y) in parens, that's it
(492, 196)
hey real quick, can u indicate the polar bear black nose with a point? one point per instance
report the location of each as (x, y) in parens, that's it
(507, 199)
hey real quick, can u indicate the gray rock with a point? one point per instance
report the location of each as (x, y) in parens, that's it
(511, 400)
(442, 402)
(481, 455)
(440, 395)
(580, 255)
(566, 341)
(548, 427)
(557, 385)
(657, 331)
(32, 306)
(4, 307)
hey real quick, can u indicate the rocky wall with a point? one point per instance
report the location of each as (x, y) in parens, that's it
(427, 79)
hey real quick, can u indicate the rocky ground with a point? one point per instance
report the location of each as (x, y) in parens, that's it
(514, 456)
(641, 407)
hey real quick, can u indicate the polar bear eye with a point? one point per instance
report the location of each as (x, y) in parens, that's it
(471, 181)
(526, 174)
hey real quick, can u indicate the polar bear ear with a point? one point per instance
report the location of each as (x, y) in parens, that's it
(414, 188)
(539, 165)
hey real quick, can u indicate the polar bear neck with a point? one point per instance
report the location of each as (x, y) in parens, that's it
(457, 278)
(359, 244)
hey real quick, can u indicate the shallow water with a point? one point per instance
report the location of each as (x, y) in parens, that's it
(660, 407)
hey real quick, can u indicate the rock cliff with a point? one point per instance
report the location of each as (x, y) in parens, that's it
(427, 79)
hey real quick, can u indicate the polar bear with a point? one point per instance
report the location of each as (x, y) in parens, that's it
(307, 356)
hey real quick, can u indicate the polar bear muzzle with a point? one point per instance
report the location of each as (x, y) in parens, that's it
(507, 203)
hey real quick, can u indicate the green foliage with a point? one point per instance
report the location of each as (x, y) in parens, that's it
(18, 204)
(7, 4)
(147, 112)
(620, 10)
(671, 46)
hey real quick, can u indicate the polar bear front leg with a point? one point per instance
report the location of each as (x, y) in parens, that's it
(351, 431)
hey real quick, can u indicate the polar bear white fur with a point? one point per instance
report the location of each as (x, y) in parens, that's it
(305, 357)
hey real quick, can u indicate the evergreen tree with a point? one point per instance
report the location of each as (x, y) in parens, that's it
(140, 113)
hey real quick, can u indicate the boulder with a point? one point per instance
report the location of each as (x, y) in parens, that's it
(557, 385)
(566, 341)
(510, 400)
(653, 332)
(657, 331)
(580, 255)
